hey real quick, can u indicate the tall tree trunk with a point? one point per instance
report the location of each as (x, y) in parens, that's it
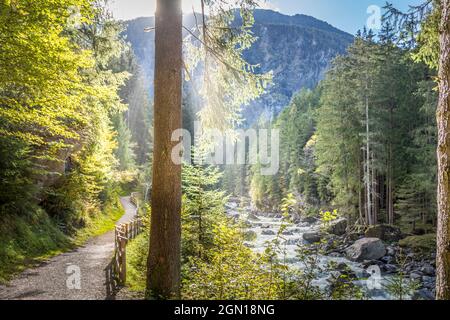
(443, 155)
(375, 196)
(367, 179)
(364, 189)
(163, 279)
(391, 169)
(362, 206)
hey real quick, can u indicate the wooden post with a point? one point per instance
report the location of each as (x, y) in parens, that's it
(123, 233)
(123, 261)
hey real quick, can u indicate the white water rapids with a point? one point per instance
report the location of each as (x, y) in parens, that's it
(293, 237)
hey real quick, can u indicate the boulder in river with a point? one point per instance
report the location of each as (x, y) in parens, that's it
(384, 232)
(338, 227)
(312, 237)
(268, 232)
(366, 249)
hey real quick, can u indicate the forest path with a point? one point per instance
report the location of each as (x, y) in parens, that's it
(49, 281)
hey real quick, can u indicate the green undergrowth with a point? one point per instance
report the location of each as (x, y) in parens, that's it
(137, 252)
(100, 223)
(28, 240)
(421, 244)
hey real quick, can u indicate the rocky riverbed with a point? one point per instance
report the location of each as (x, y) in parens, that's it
(371, 257)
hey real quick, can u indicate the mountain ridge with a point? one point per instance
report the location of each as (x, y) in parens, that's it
(297, 48)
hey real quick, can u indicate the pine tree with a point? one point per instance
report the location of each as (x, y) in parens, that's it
(203, 207)
(125, 147)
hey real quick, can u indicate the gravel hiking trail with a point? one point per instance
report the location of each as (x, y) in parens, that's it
(54, 279)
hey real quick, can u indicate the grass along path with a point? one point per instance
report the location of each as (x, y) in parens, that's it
(50, 280)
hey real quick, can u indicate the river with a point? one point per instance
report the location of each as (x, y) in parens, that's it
(266, 227)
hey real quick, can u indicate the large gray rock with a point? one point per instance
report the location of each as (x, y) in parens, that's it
(338, 227)
(366, 249)
(428, 270)
(312, 237)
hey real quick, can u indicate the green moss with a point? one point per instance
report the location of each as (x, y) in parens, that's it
(26, 241)
(425, 243)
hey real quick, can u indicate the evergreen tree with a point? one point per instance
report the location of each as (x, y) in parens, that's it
(125, 148)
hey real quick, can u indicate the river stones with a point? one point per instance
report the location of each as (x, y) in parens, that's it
(366, 249)
(288, 233)
(428, 270)
(268, 232)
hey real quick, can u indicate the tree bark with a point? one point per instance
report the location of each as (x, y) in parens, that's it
(443, 155)
(163, 278)
(368, 159)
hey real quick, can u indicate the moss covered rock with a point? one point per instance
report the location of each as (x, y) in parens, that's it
(384, 232)
(425, 243)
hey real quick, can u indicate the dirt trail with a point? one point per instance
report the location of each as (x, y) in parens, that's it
(56, 279)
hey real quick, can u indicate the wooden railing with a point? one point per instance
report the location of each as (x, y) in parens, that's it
(134, 198)
(124, 233)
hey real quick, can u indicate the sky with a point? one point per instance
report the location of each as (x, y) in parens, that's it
(347, 15)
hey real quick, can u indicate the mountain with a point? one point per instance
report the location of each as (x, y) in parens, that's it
(298, 49)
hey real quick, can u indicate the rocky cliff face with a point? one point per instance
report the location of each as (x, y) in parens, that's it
(298, 49)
